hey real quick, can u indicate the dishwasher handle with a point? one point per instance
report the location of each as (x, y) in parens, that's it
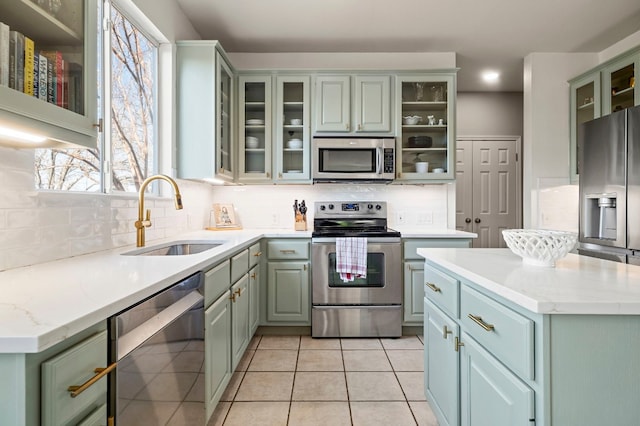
(134, 338)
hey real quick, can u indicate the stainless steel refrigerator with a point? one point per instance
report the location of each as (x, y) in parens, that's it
(609, 162)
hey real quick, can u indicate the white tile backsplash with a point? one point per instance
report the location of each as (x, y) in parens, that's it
(40, 226)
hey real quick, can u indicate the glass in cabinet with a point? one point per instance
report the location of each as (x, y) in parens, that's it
(618, 89)
(426, 120)
(585, 106)
(48, 83)
(255, 128)
(292, 128)
(204, 92)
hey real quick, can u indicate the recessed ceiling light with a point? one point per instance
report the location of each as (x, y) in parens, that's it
(490, 76)
(20, 136)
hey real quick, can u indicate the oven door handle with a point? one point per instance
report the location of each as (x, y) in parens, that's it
(134, 338)
(379, 160)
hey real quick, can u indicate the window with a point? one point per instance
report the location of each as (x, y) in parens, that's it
(129, 144)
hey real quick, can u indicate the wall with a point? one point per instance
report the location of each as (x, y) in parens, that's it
(489, 114)
(546, 128)
(410, 206)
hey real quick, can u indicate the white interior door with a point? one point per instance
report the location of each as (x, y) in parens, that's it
(487, 189)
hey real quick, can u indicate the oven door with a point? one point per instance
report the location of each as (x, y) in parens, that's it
(382, 286)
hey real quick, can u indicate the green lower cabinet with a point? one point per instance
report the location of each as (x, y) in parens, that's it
(441, 367)
(490, 394)
(254, 299)
(288, 292)
(97, 418)
(239, 319)
(413, 292)
(217, 351)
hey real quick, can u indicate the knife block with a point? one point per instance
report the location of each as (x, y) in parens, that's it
(300, 222)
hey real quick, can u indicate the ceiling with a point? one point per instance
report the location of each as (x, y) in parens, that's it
(487, 34)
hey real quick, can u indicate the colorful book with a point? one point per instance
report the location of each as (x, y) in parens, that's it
(76, 95)
(29, 51)
(4, 54)
(42, 77)
(16, 67)
(36, 76)
(51, 87)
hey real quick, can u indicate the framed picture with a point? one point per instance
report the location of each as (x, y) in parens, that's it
(224, 216)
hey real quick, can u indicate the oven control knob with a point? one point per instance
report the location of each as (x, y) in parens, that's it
(369, 206)
(330, 206)
(378, 207)
(322, 207)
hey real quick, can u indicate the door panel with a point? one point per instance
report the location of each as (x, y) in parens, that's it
(486, 189)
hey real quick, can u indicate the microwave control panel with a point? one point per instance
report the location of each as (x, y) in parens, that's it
(388, 160)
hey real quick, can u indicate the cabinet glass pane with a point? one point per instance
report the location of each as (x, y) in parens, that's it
(225, 121)
(424, 125)
(622, 88)
(255, 127)
(585, 111)
(46, 50)
(293, 125)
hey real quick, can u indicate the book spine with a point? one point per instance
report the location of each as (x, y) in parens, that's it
(28, 65)
(4, 54)
(19, 60)
(36, 75)
(12, 59)
(51, 87)
(59, 79)
(42, 77)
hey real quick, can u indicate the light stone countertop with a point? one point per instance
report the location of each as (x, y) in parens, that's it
(43, 304)
(577, 285)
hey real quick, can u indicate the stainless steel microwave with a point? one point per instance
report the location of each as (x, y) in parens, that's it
(353, 159)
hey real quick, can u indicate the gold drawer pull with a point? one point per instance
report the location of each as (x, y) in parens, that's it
(253, 275)
(239, 291)
(458, 343)
(433, 287)
(484, 325)
(288, 251)
(100, 373)
(445, 331)
(258, 254)
(233, 297)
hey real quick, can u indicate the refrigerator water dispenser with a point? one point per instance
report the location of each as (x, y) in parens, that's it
(601, 216)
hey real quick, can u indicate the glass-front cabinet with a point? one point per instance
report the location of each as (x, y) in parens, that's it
(254, 138)
(426, 119)
(48, 74)
(205, 104)
(618, 84)
(585, 106)
(292, 144)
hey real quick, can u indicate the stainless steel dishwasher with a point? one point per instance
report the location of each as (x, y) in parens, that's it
(158, 345)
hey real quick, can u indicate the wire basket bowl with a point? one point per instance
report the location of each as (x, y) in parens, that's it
(540, 247)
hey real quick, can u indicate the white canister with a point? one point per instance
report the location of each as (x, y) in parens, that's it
(422, 167)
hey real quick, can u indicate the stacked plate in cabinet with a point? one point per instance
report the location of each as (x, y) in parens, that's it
(419, 142)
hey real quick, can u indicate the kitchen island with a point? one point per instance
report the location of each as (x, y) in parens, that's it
(512, 344)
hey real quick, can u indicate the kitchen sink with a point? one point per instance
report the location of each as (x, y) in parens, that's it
(176, 248)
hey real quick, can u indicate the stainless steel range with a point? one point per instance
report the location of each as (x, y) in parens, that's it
(363, 306)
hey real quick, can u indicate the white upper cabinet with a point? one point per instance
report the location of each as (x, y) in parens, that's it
(338, 109)
(52, 89)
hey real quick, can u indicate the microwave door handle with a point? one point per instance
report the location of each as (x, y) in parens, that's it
(379, 160)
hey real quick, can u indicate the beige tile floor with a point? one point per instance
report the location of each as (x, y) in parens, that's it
(300, 381)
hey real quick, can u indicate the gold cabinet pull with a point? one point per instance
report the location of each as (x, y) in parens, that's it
(253, 275)
(287, 251)
(257, 254)
(478, 320)
(233, 297)
(100, 373)
(433, 287)
(458, 343)
(445, 331)
(239, 291)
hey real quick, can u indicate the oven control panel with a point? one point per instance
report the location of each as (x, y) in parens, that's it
(332, 209)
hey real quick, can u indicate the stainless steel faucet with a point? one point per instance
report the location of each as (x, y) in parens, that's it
(142, 222)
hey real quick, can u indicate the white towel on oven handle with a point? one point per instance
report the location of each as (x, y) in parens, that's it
(351, 258)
